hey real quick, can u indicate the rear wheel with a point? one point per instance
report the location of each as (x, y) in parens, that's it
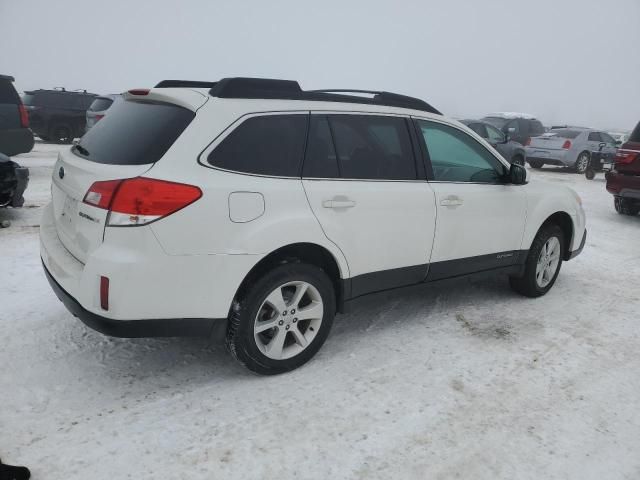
(61, 133)
(543, 263)
(536, 163)
(282, 320)
(624, 206)
(582, 163)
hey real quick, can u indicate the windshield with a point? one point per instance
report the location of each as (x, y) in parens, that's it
(497, 122)
(134, 133)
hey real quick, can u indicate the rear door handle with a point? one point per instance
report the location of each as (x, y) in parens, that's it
(451, 201)
(338, 203)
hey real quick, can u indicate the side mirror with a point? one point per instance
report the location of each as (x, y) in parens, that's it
(517, 174)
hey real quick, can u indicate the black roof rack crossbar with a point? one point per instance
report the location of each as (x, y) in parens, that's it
(185, 84)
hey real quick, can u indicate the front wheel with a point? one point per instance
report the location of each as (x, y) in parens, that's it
(518, 160)
(536, 164)
(582, 163)
(283, 319)
(543, 263)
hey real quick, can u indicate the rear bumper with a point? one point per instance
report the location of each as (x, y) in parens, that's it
(627, 186)
(166, 327)
(577, 252)
(552, 157)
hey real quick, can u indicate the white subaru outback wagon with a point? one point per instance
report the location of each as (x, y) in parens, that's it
(253, 209)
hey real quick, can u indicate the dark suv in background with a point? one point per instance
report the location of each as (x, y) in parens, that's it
(519, 127)
(624, 180)
(58, 115)
(15, 138)
(512, 151)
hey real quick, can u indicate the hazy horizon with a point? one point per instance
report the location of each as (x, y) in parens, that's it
(563, 62)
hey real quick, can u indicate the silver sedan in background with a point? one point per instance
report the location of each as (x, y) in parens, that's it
(568, 147)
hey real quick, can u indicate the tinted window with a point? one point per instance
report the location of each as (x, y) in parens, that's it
(479, 128)
(635, 136)
(7, 92)
(264, 145)
(497, 122)
(321, 160)
(134, 133)
(594, 137)
(456, 157)
(494, 135)
(565, 132)
(99, 104)
(373, 147)
(536, 127)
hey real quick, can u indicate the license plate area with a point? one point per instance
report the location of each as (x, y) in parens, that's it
(69, 214)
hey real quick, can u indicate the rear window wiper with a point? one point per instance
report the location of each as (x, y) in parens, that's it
(82, 150)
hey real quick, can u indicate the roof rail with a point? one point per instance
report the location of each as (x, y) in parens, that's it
(242, 87)
(185, 84)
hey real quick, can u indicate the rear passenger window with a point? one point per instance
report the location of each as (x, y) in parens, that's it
(7, 92)
(373, 147)
(265, 145)
(594, 137)
(321, 160)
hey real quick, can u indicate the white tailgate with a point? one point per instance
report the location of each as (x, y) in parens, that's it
(81, 226)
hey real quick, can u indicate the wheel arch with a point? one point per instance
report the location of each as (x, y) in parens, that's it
(565, 222)
(302, 252)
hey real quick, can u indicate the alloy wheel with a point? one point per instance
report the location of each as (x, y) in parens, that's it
(288, 320)
(548, 261)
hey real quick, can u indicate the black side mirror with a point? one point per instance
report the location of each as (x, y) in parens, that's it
(517, 174)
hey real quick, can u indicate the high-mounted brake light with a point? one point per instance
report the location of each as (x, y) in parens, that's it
(139, 91)
(24, 116)
(140, 200)
(567, 144)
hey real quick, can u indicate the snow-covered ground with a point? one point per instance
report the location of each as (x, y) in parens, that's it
(463, 379)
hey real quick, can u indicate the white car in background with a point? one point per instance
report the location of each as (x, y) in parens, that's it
(255, 209)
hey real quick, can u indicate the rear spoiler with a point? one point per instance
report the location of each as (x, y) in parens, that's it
(7, 77)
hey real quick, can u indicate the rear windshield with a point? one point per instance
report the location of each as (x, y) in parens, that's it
(134, 133)
(7, 92)
(566, 133)
(536, 128)
(635, 136)
(100, 104)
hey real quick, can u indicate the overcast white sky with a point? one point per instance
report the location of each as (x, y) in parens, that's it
(566, 61)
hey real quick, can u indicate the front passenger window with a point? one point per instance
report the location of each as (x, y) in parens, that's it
(456, 157)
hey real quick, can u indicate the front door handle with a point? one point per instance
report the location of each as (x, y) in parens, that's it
(451, 201)
(338, 203)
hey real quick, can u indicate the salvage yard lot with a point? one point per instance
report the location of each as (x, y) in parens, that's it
(459, 379)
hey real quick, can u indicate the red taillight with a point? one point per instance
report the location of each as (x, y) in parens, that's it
(567, 144)
(24, 116)
(626, 157)
(140, 200)
(528, 142)
(104, 293)
(100, 194)
(139, 91)
(98, 117)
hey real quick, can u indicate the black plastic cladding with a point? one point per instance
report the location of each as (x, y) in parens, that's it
(268, 88)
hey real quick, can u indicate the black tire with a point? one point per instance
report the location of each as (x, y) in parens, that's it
(582, 162)
(527, 285)
(240, 339)
(536, 164)
(518, 160)
(625, 207)
(61, 133)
